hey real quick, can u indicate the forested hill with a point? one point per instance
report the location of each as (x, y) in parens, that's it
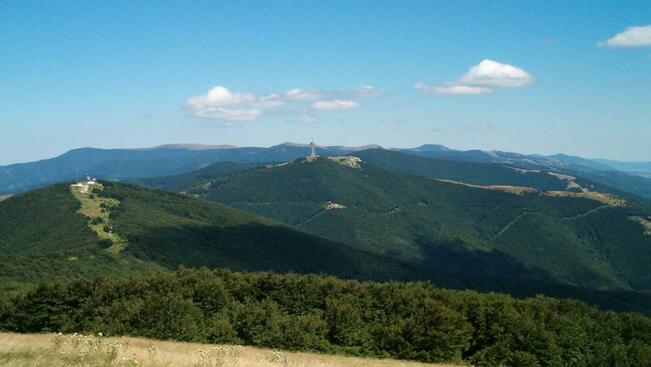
(55, 233)
(170, 160)
(47, 234)
(452, 227)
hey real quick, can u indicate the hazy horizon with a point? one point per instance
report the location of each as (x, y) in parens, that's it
(226, 145)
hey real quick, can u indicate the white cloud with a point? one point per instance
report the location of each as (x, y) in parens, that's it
(337, 104)
(229, 114)
(268, 102)
(482, 78)
(368, 91)
(630, 37)
(298, 94)
(489, 73)
(219, 96)
(222, 104)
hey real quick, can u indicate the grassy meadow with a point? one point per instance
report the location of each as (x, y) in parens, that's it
(36, 350)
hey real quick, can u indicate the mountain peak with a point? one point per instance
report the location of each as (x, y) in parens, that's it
(431, 148)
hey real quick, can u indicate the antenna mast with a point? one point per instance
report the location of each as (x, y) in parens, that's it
(313, 152)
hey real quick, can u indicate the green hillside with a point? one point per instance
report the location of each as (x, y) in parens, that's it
(446, 227)
(44, 236)
(172, 230)
(179, 181)
(468, 172)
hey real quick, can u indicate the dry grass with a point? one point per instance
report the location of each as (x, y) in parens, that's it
(517, 190)
(4, 197)
(610, 200)
(35, 350)
(644, 222)
(607, 199)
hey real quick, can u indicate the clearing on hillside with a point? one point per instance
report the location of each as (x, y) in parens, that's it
(97, 209)
(36, 350)
(646, 222)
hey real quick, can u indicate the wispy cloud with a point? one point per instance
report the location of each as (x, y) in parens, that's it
(482, 78)
(639, 36)
(450, 89)
(337, 104)
(220, 103)
(368, 91)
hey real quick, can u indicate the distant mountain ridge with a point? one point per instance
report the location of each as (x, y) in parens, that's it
(173, 159)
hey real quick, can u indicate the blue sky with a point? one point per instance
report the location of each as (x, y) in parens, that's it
(138, 73)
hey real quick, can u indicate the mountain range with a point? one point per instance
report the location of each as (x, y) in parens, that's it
(126, 164)
(492, 225)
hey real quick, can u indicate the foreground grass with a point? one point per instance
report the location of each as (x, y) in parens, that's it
(37, 350)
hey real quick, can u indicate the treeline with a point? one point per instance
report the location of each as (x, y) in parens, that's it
(319, 313)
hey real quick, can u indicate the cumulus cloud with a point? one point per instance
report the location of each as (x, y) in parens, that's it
(489, 73)
(219, 96)
(482, 78)
(337, 104)
(223, 104)
(631, 37)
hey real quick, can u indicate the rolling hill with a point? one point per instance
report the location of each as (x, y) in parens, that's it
(618, 175)
(129, 164)
(47, 234)
(56, 233)
(449, 226)
(176, 159)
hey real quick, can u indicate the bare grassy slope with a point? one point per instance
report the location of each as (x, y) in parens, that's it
(77, 350)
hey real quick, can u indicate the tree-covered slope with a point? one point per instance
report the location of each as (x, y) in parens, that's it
(172, 229)
(44, 236)
(449, 227)
(468, 172)
(177, 182)
(130, 164)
